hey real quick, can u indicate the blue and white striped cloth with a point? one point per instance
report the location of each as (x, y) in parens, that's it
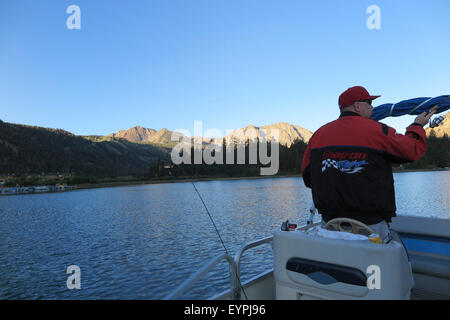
(412, 106)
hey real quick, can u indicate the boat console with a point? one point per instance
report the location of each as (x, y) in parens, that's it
(313, 263)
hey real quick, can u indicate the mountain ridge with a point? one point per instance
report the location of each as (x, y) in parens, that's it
(288, 134)
(29, 149)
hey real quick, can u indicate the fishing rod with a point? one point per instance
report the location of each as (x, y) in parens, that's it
(217, 231)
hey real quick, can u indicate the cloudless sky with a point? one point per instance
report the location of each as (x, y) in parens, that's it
(229, 63)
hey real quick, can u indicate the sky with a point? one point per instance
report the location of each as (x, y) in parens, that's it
(228, 63)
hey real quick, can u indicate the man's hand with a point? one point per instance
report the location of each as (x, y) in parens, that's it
(423, 118)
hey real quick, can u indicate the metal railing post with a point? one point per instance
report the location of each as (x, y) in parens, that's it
(235, 272)
(237, 262)
(201, 272)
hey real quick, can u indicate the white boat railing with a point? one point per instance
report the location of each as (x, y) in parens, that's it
(237, 260)
(235, 272)
(204, 270)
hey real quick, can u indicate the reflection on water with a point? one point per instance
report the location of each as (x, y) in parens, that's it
(140, 242)
(424, 194)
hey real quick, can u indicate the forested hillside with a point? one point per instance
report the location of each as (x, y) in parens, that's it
(35, 150)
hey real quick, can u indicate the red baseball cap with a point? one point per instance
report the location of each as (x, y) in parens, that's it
(353, 94)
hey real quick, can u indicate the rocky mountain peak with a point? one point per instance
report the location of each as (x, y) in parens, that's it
(287, 134)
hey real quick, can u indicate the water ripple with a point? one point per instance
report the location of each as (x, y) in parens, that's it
(141, 242)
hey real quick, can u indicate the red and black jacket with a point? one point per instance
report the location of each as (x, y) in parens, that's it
(348, 167)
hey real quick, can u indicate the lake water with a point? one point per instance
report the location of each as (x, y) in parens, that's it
(141, 242)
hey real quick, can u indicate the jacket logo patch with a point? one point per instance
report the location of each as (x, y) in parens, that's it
(344, 155)
(344, 166)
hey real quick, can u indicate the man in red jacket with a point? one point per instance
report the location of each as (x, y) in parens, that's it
(348, 162)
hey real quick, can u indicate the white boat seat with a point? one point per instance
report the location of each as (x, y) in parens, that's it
(308, 266)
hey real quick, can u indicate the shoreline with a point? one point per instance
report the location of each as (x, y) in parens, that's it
(113, 184)
(199, 179)
(167, 181)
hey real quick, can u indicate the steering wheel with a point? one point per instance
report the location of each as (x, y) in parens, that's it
(349, 225)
